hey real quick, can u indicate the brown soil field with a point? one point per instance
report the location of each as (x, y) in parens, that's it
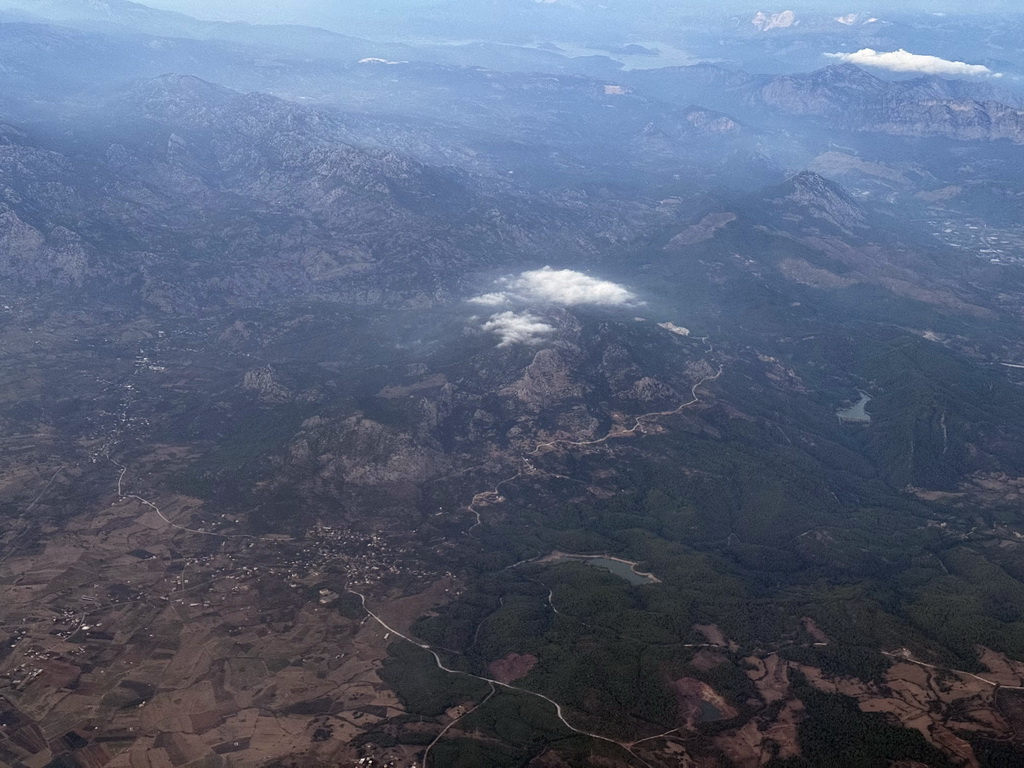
(165, 657)
(513, 667)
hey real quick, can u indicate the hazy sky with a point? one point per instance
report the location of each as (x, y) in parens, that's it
(331, 11)
(251, 10)
(278, 11)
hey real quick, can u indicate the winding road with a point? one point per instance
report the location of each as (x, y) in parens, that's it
(492, 496)
(483, 497)
(627, 746)
(122, 495)
(904, 655)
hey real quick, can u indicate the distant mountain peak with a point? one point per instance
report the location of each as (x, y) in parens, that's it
(176, 85)
(819, 198)
(174, 97)
(709, 121)
(815, 182)
(845, 71)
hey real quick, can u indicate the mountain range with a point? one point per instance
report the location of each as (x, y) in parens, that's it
(432, 403)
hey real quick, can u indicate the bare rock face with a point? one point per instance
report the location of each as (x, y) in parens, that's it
(482, 426)
(547, 380)
(853, 99)
(579, 423)
(817, 198)
(169, 204)
(708, 122)
(374, 454)
(270, 388)
(818, 93)
(434, 410)
(264, 385)
(962, 119)
(361, 452)
(649, 390)
(702, 231)
(29, 256)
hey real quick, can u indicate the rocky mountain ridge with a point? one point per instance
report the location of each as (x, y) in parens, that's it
(851, 99)
(194, 174)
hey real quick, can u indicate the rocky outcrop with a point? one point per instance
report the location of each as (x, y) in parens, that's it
(547, 381)
(359, 451)
(29, 256)
(217, 197)
(852, 99)
(702, 231)
(824, 92)
(843, 96)
(708, 122)
(649, 391)
(818, 201)
(262, 383)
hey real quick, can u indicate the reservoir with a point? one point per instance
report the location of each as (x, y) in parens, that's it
(856, 414)
(709, 713)
(621, 568)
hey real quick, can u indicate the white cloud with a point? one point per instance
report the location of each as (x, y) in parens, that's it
(850, 19)
(563, 287)
(517, 328)
(904, 61)
(766, 21)
(491, 299)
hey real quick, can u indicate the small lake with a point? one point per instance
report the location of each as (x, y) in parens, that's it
(620, 568)
(709, 713)
(856, 414)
